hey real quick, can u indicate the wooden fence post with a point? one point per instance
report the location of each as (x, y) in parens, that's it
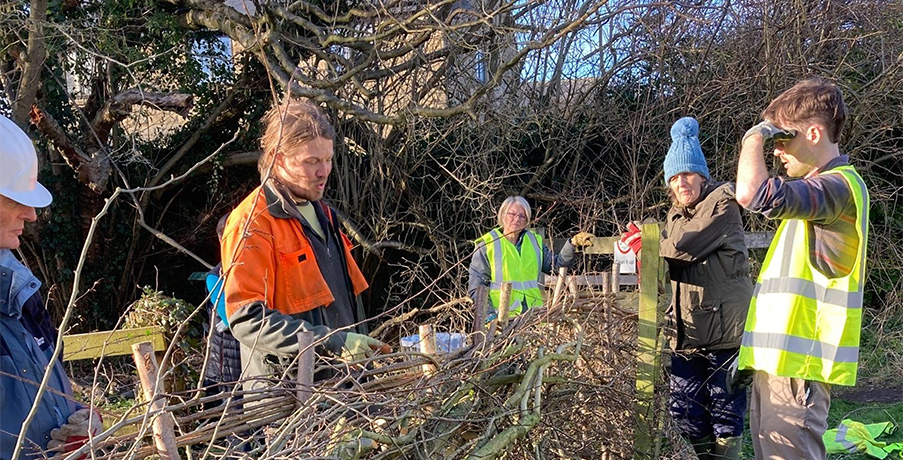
(427, 346)
(305, 367)
(479, 317)
(556, 294)
(504, 305)
(614, 289)
(648, 358)
(163, 423)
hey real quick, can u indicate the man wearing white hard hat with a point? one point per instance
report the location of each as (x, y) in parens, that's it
(27, 335)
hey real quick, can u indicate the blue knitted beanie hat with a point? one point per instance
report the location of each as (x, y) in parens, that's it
(685, 154)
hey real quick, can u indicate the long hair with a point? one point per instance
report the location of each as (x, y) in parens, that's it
(289, 125)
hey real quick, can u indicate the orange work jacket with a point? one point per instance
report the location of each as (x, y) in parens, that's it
(273, 261)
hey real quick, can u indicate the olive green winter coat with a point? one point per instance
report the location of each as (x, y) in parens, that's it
(708, 264)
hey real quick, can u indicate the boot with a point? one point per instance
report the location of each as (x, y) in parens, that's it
(703, 447)
(727, 448)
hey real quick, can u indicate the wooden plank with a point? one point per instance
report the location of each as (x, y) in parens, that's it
(648, 358)
(110, 343)
(602, 245)
(605, 244)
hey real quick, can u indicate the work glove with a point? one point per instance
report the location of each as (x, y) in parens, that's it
(633, 237)
(737, 380)
(360, 346)
(582, 239)
(768, 130)
(81, 426)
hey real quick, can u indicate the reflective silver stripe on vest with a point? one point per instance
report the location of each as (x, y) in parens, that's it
(789, 233)
(515, 285)
(536, 250)
(516, 305)
(841, 438)
(864, 226)
(810, 290)
(865, 198)
(497, 255)
(802, 346)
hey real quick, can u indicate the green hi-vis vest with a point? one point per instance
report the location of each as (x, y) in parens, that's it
(520, 268)
(800, 323)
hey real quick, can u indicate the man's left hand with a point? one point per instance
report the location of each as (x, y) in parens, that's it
(82, 425)
(767, 130)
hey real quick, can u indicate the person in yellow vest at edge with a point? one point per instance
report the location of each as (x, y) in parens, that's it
(802, 329)
(511, 253)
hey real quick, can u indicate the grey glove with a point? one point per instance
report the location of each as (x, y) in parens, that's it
(768, 130)
(736, 379)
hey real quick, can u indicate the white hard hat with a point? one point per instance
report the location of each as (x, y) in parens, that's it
(19, 167)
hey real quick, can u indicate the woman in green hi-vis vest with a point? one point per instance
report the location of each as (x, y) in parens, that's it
(512, 253)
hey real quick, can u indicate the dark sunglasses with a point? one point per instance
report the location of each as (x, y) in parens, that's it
(784, 135)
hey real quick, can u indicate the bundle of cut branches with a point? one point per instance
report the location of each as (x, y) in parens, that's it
(549, 384)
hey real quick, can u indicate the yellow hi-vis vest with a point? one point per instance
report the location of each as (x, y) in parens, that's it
(520, 268)
(802, 324)
(852, 437)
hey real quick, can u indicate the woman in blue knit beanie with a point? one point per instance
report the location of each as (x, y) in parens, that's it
(685, 166)
(702, 242)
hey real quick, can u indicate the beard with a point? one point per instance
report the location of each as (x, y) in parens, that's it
(300, 193)
(306, 191)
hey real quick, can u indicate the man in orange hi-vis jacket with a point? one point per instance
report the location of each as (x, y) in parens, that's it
(287, 265)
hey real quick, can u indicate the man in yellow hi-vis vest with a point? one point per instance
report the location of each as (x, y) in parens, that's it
(802, 329)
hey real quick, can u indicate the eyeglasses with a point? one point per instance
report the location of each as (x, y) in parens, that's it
(515, 215)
